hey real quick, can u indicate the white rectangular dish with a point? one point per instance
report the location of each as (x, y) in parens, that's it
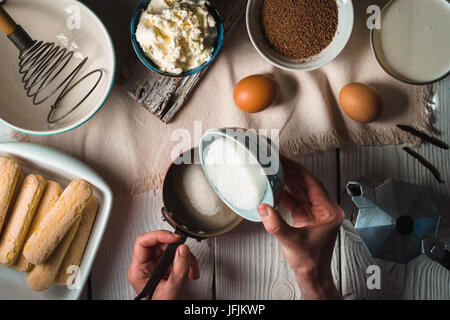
(60, 167)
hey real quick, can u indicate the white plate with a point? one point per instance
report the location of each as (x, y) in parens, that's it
(55, 21)
(62, 168)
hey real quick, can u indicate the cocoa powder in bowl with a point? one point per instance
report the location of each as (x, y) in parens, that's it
(299, 29)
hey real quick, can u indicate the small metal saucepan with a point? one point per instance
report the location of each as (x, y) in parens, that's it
(186, 221)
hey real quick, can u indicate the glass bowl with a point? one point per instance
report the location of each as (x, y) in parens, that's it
(375, 34)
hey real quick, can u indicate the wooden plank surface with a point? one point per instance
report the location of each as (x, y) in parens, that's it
(131, 217)
(264, 274)
(420, 278)
(250, 264)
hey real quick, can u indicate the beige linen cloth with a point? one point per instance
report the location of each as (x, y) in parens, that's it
(131, 148)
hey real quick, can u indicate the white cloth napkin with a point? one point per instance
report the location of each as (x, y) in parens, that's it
(131, 148)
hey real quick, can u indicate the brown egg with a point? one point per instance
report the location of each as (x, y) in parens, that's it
(255, 93)
(361, 102)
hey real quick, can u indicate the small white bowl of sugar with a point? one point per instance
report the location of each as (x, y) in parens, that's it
(243, 168)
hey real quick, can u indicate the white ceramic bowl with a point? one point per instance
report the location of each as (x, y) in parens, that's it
(55, 21)
(62, 168)
(344, 30)
(264, 151)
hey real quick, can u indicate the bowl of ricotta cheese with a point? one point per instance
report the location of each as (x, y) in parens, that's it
(176, 38)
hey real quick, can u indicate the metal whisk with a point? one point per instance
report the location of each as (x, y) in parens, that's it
(40, 64)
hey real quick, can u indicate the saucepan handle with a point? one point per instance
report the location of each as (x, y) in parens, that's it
(437, 251)
(162, 267)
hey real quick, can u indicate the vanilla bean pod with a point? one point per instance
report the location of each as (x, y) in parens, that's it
(422, 135)
(425, 163)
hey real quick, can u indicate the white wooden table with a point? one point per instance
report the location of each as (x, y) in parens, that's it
(249, 264)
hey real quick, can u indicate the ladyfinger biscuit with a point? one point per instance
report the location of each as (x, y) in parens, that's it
(76, 250)
(22, 264)
(42, 276)
(57, 222)
(10, 173)
(52, 192)
(18, 224)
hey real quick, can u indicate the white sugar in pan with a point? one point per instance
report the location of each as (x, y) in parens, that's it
(191, 214)
(190, 202)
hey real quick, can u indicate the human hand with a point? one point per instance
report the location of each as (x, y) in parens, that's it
(308, 244)
(146, 253)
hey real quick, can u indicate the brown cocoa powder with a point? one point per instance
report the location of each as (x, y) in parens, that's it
(299, 29)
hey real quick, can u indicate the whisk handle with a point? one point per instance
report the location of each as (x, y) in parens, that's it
(15, 33)
(7, 24)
